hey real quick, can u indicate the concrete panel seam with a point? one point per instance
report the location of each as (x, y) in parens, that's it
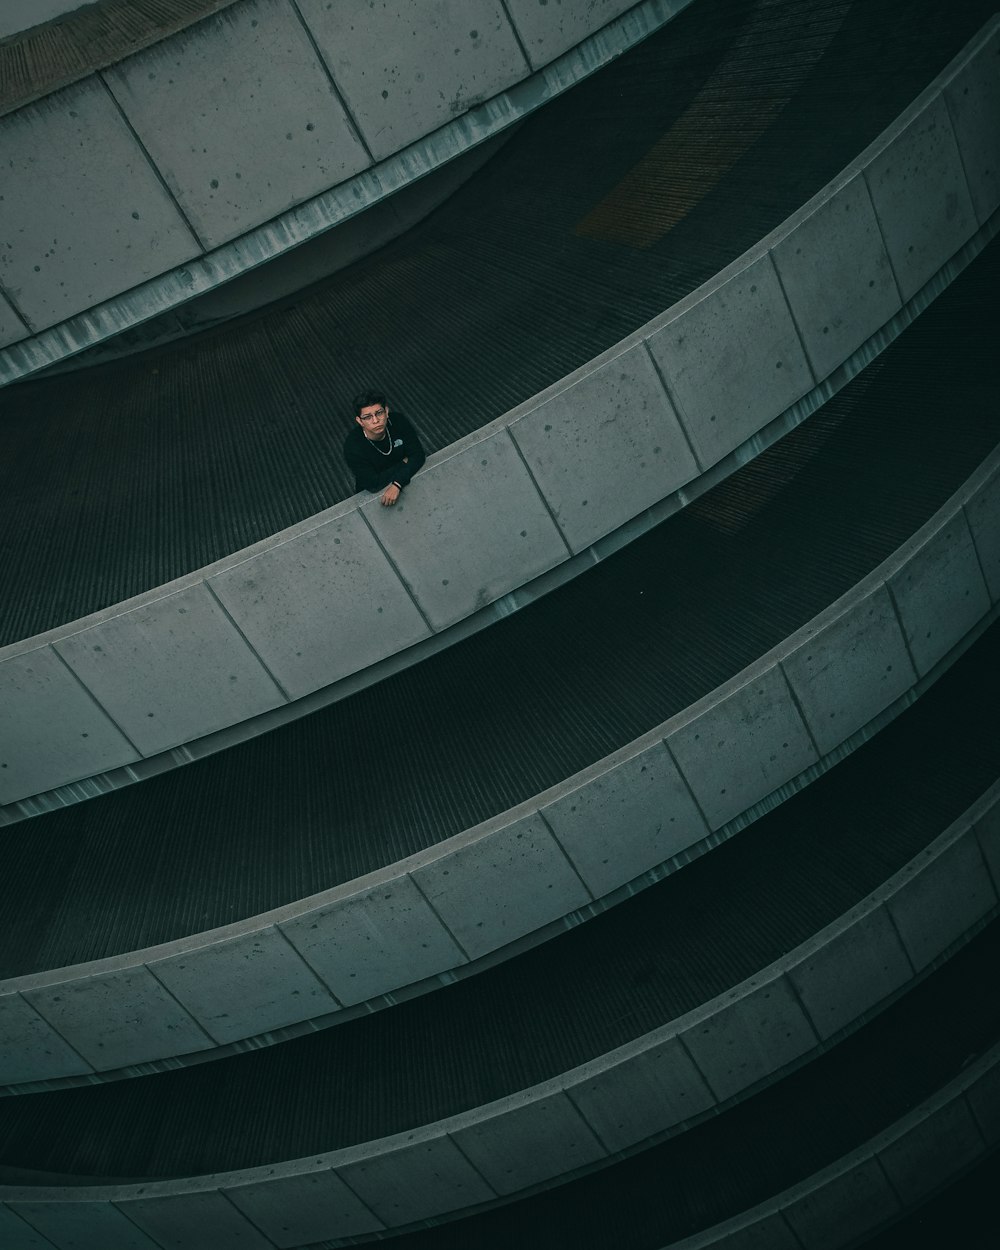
(169, 992)
(796, 703)
(276, 928)
(882, 234)
(449, 1137)
(899, 938)
(16, 310)
(590, 894)
(694, 799)
(395, 568)
(127, 123)
(125, 1216)
(975, 548)
(250, 647)
(48, 1023)
(95, 700)
(975, 1119)
(961, 154)
(900, 623)
(222, 1194)
(517, 36)
(538, 490)
(671, 399)
(337, 94)
(797, 997)
(791, 315)
(438, 917)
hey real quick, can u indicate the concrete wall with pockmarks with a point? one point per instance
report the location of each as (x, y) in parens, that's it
(648, 1088)
(709, 380)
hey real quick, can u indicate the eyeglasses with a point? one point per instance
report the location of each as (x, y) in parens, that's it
(377, 415)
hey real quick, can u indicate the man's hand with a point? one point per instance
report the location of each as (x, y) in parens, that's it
(390, 495)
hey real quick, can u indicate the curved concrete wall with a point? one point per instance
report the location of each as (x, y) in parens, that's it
(640, 813)
(144, 184)
(357, 584)
(644, 1090)
(20, 15)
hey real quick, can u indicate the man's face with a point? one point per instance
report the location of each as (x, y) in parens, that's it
(372, 420)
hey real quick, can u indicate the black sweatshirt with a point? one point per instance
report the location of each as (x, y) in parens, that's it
(373, 469)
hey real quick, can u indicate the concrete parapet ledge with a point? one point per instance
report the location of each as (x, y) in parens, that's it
(333, 603)
(643, 1092)
(166, 174)
(545, 865)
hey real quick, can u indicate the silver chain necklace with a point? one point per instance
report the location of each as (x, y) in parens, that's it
(386, 435)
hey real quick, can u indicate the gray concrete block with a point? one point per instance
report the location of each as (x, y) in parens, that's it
(732, 360)
(374, 941)
(851, 973)
(748, 1232)
(843, 1208)
(618, 824)
(738, 750)
(321, 606)
(921, 198)
(21, 15)
(605, 448)
(941, 899)
(194, 1221)
(837, 277)
(51, 730)
(119, 1018)
(548, 30)
(499, 533)
(30, 1049)
(528, 1141)
(983, 513)
(937, 1148)
(242, 986)
(408, 67)
(973, 99)
(644, 1094)
(988, 835)
(753, 1033)
(298, 1210)
(502, 884)
(171, 670)
(983, 1098)
(83, 1225)
(16, 1235)
(12, 328)
(852, 666)
(213, 108)
(940, 593)
(416, 1180)
(84, 212)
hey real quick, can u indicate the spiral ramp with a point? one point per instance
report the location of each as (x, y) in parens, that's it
(660, 912)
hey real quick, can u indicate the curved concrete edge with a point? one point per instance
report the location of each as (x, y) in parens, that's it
(193, 217)
(653, 1088)
(761, 342)
(544, 865)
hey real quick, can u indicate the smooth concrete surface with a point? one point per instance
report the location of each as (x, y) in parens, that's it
(15, 1234)
(119, 1017)
(390, 934)
(940, 594)
(561, 1141)
(919, 190)
(595, 476)
(752, 1033)
(431, 914)
(732, 358)
(973, 99)
(83, 1225)
(624, 818)
(295, 1211)
(943, 896)
(205, 1220)
(85, 213)
(983, 514)
(212, 107)
(936, 1149)
(741, 743)
(861, 964)
(647, 1090)
(983, 1098)
(850, 666)
(840, 240)
(408, 67)
(19, 15)
(461, 885)
(311, 167)
(250, 984)
(170, 670)
(469, 533)
(33, 1050)
(12, 327)
(717, 1051)
(988, 834)
(321, 606)
(474, 527)
(844, 1208)
(546, 30)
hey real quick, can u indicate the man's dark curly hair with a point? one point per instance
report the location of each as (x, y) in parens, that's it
(365, 399)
